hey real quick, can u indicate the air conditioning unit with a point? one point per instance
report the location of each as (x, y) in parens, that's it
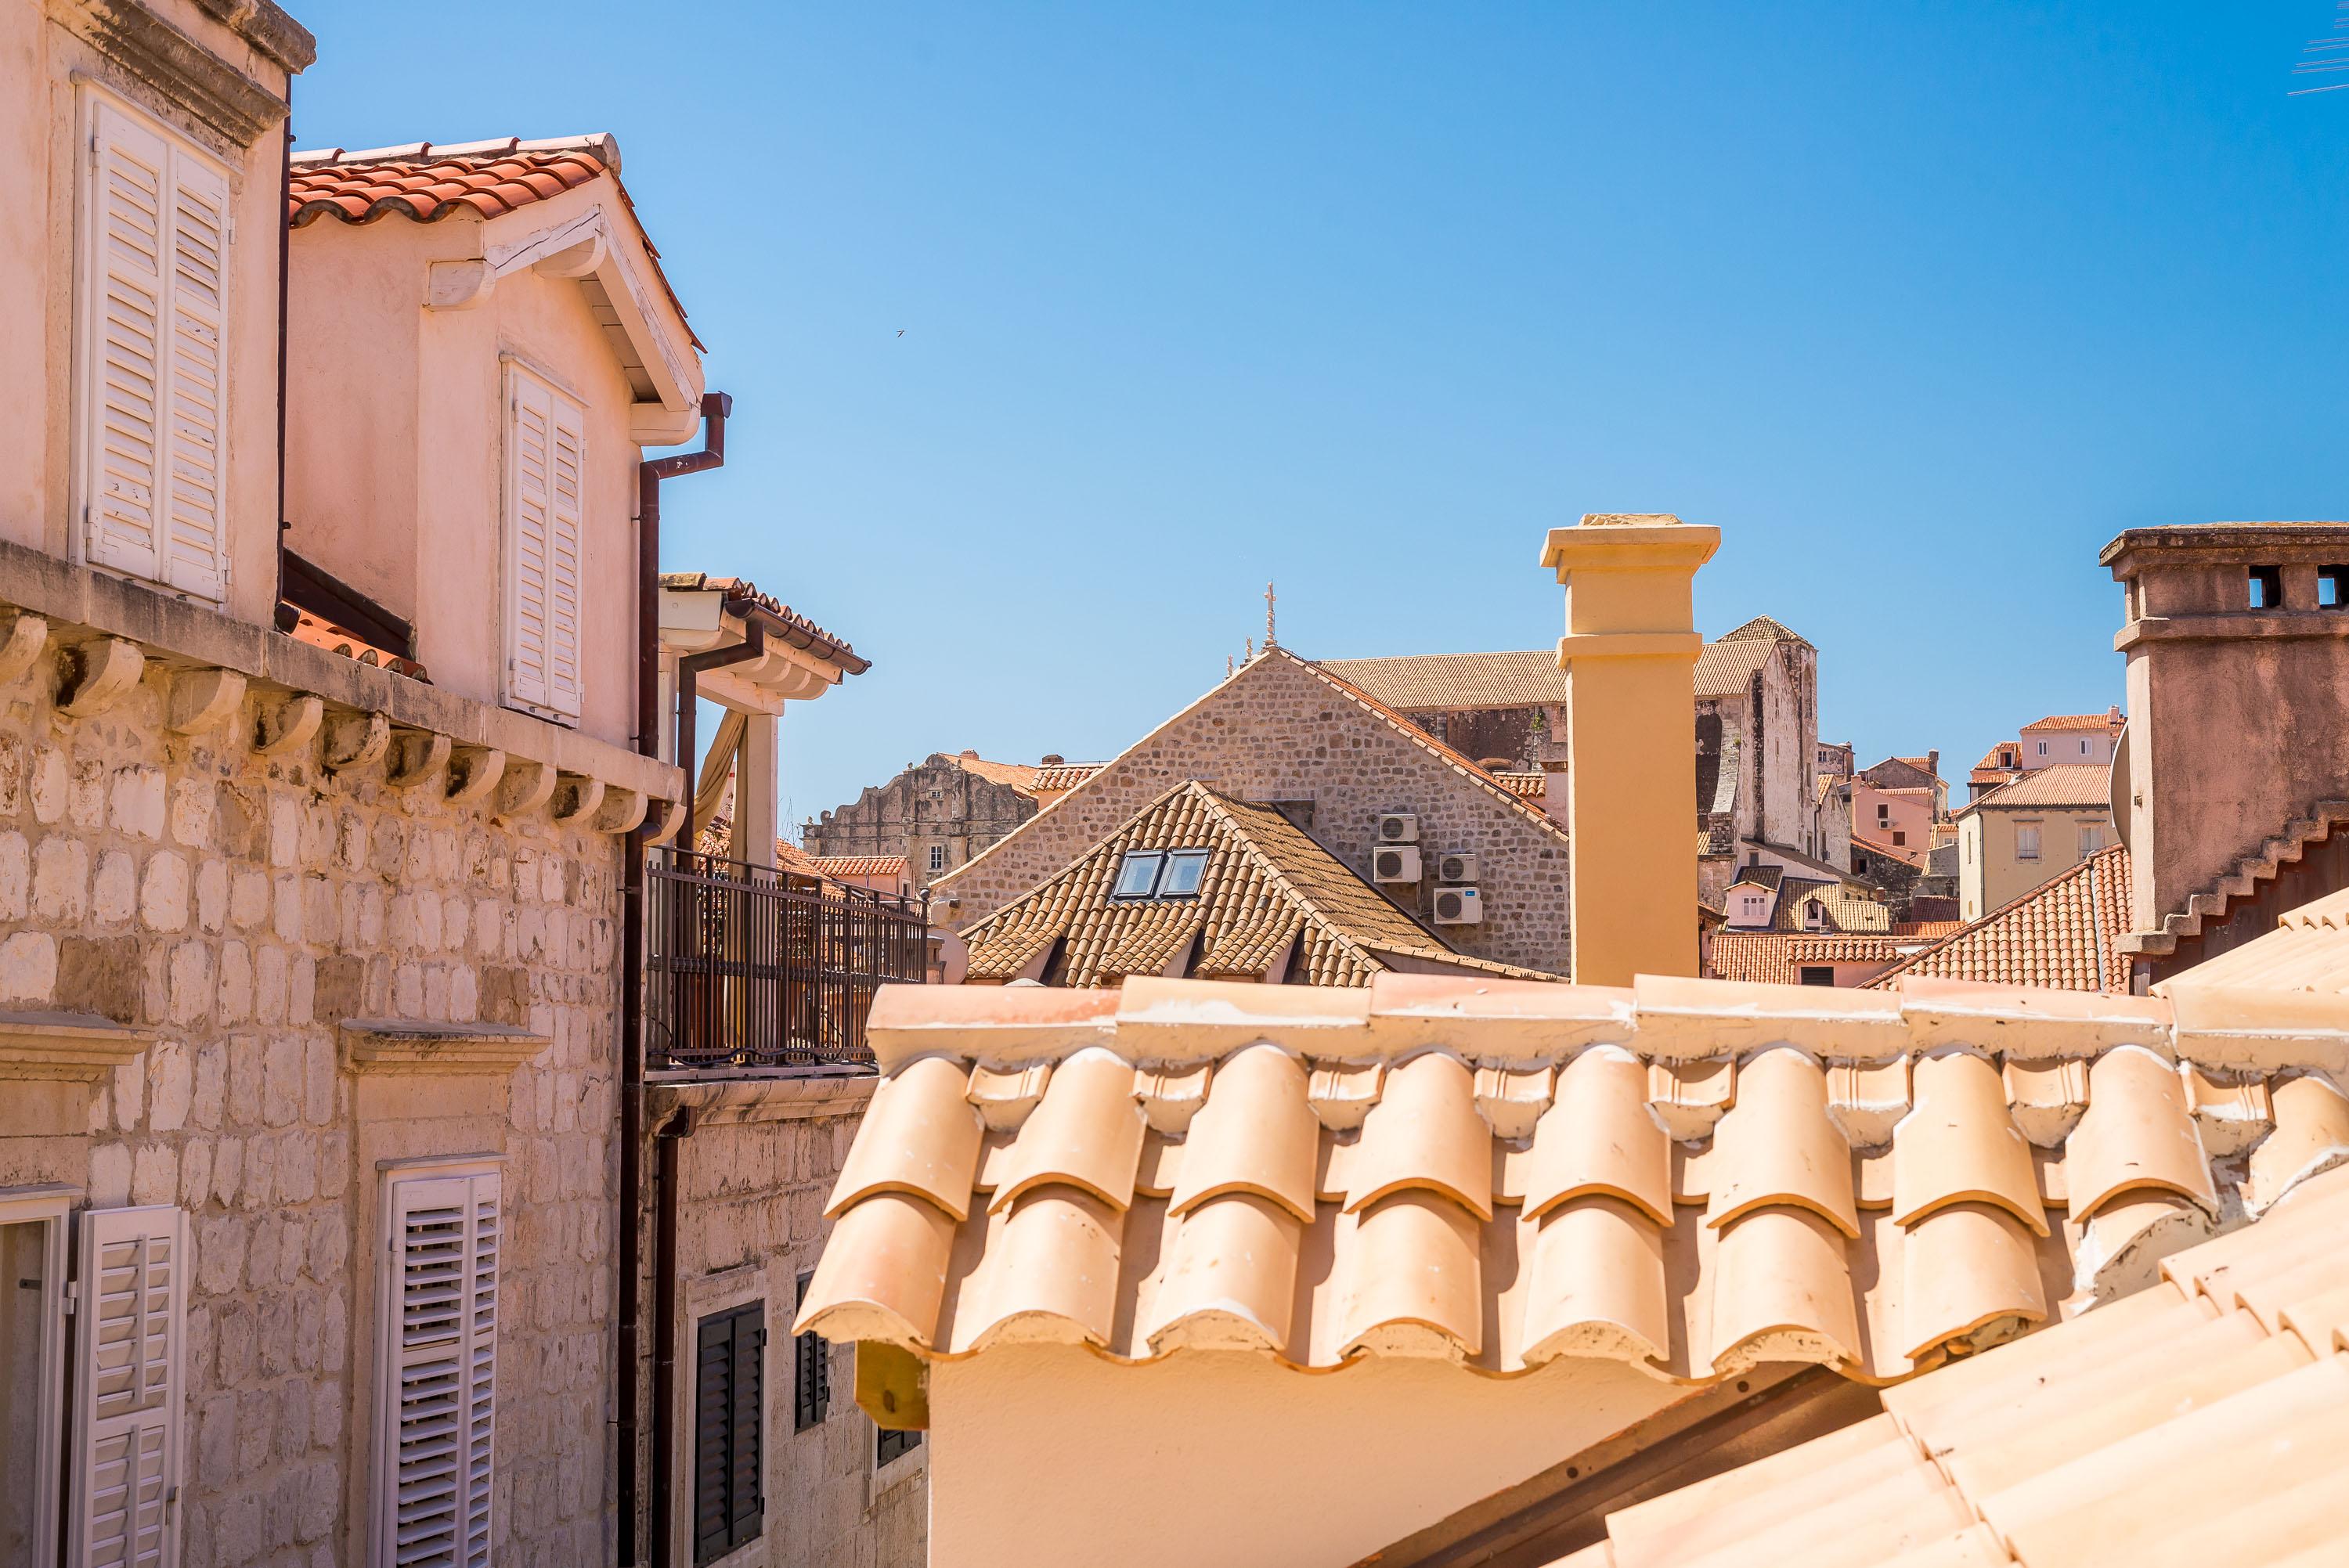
(1458, 906)
(1398, 828)
(1457, 866)
(1395, 864)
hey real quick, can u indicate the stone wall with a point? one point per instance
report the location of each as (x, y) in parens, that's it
(934, 802)
(241, 907)
(1280, 731)
(754, 1177)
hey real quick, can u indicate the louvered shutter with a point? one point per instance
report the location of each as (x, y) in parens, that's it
(812, 1374)
(529, 528)
(729, 1387)
(132, 1291)
(567, 445)
(434, 1474)
(155, 400)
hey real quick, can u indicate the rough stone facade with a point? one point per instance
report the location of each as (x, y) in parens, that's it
(754, 1177)
(242, 908)
(939, 814)
(1280, 733)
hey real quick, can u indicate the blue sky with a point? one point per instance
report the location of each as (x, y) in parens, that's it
(1920, 303)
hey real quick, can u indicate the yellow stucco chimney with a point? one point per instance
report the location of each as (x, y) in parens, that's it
(1629, 657)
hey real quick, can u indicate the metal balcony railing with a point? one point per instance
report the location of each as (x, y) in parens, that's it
(749, 967)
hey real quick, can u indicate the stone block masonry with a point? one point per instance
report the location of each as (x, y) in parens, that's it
(241, 907)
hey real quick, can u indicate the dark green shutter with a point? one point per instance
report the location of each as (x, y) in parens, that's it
(810, 1374)
(729, 1381)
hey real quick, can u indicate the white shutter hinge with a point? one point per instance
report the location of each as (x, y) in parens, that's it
(72, 1297)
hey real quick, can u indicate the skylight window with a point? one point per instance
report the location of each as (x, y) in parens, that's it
(1137, 876)
(1185, 871)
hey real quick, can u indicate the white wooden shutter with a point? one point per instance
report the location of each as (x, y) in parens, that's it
(154, 404)
(567, 482)
(437, 1398)
(530, 423)
(128, 1387)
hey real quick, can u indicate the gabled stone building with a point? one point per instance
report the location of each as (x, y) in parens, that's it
(938, 814)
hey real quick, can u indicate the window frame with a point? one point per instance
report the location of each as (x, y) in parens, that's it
(937, 858)
(2028, 833)
(810, 1362)
(1127, 864)
(1195, 859)
(733, 1319)
(51, 1208)
(516, 374)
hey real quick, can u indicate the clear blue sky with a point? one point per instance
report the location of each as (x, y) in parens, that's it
(1920, 304)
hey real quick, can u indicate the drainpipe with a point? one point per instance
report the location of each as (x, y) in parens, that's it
(284, 289)
(689, 689)
(715, 408)
(671, 1139)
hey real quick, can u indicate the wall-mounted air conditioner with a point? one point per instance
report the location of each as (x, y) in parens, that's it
(1458, 906)
(1395, 864)
(1398, 828)
(1456, 866)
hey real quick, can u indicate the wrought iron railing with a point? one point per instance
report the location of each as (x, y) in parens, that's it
(751, 967)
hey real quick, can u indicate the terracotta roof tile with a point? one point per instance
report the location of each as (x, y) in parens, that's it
(322, 634)
(743, 596)
(2099, 721)
(2201, 1421)
(1492, 1181)
(1776, 957)
(1418, 683)
(846, 866)
(2066, 785)
(1266, 885)
(1020, 776)
(2062, 933)
(1526, 785)
(1058, 777)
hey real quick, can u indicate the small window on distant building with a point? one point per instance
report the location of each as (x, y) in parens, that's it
(2026, 841)
(1883, 813)
(2042, 749)
(2084, 748)
(1818, 975)
(1137, 874)
(1185, 870)
(2328, 586)
(938, 857)
(1900, 837)
(891, 1446)
(2266, 587)
(2092, 839)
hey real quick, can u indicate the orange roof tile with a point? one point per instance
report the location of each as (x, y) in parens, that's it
(2200, 1422)
(1777, 958)
(2063, 933)
(1058, 777)
(2111, 720)
(1689, 1177)
(844, 866)
(322, 634)
(1912, 854)
(2066, 786)
(745, 597)
(1528, 786)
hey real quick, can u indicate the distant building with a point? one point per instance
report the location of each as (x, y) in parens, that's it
(2021, 834)
(1896, 804)
(937, 814)
(2065, 933)
(2060, 738)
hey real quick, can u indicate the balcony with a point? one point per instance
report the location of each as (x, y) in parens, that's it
(755, 970)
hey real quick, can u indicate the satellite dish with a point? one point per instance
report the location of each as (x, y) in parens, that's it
(2120, 801)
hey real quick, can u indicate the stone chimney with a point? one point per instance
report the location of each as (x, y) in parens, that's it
(1629, 657)
(2236, 636)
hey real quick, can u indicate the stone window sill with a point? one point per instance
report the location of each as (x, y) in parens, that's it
(72, 1046)
(413, 1045)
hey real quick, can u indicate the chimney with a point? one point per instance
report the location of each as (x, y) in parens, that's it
(2237, 636)
(1629, 657)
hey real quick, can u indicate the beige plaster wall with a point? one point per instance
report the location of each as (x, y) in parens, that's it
(1911, 815)
(1278, 732)
(395, 444)
(41, 163)
(1999, 875)
(241, 907)
(1050, 1457)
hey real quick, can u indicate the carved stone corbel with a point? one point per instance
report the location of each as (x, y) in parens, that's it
(357, 740)
(416, 756)
(287, 727)
(573, 261)
(96, 675)
(668, 817)
(473, 773)
(28, 635)
(457, 286)
(575, 798)
(202, 699)
(524, 788)
(622, 809)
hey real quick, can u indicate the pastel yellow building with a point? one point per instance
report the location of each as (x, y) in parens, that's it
(2017, 837)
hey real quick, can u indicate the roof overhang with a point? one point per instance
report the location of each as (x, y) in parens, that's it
(796, 666)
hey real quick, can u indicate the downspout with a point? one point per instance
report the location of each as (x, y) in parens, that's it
(715, 408)
(671, 1139)
(688, 688)
(285, 290)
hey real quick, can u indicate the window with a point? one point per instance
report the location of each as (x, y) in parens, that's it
(2084, 748)
(2328, 586)
(2092, 839)
(1818, 973)
(2042, 749)
(888, 1445)
(1900, 837)
(32, 1371)
(544, 518)
(729, 1364)
(810, 1374)
(1883, 813)
(1185, 871)
(938, 857)
(1137, 874)
(2266, 587)
(128, 1387)
(152, 329)
(2026, 841)
(437, 1375)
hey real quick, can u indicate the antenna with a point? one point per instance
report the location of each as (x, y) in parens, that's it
(2324, 57)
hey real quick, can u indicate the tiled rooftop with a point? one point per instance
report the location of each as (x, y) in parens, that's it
(1020, 776)
(1266, 885)
(1777, 958)
(858, 865)
(2307, 951)
(1423, 682)
(1689, 1177)
(742, 594)
(1525, 786)
(1058, 777)
(2064, 932)
(322, 634)
(2070, 786)
(427, 184)
(2200, 1424)
(2097, 721)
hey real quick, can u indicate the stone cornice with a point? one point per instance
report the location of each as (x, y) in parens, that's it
(267, 28)
(151, 54)
(781, 1096)
(415, 1046)
(80, 1047)
(84, 606)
